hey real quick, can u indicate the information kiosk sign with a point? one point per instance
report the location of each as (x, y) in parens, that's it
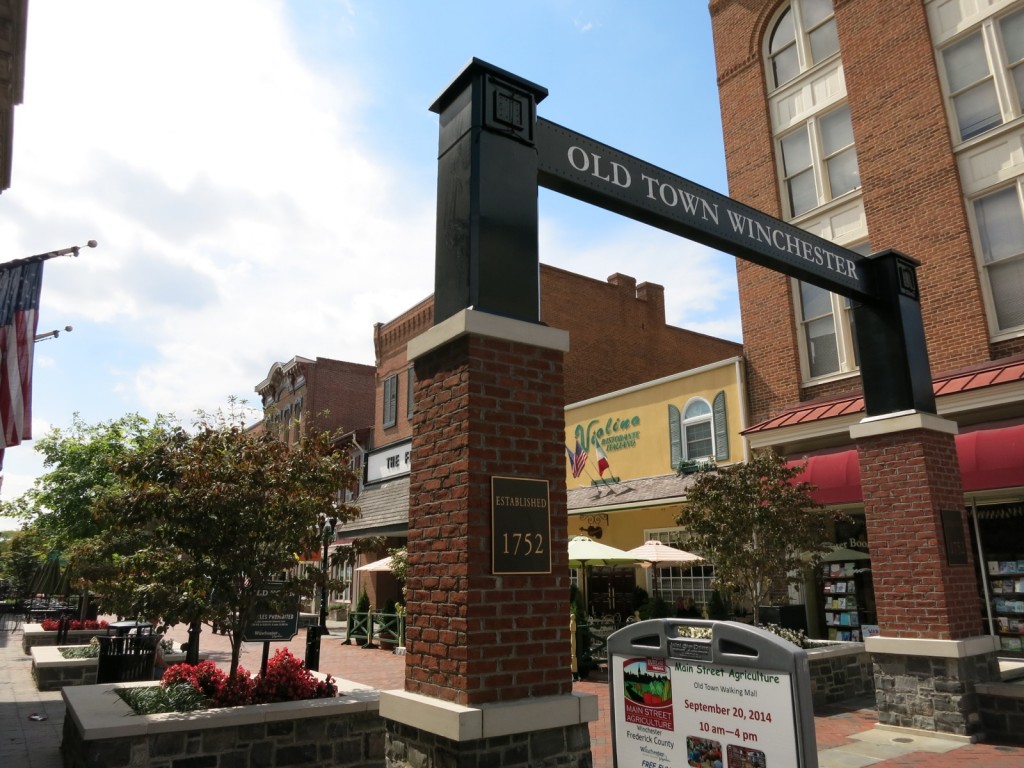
(272, 623)
(740, 698)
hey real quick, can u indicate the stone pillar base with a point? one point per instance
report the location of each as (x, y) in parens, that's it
(531, 733)
(929, 685)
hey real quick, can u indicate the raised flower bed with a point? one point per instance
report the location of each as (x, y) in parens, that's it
(46, 634)
(101, 731)
(52, 670)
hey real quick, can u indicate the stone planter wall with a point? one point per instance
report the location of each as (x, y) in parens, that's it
(840, 672)
(100, 731)
(52, 671)
(34, 634)
(1002, 711)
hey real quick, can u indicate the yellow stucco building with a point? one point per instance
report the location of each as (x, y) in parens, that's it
(623, 450)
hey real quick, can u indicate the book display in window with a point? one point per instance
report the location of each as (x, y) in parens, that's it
(846, 597)
(1006, 584)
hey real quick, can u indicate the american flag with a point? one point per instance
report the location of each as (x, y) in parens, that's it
(20, 286)
(577, 459)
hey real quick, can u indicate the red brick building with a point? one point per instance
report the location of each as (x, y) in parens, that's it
(304, 395)
(892, 125)
(618, 338)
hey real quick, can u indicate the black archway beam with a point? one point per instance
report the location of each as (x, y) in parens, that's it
(595, 173)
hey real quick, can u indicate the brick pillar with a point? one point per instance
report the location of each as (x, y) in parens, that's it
(487, 656)
(930, 652)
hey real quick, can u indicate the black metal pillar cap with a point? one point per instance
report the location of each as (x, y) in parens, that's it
(893, 355)
(486, 250)
(477, 67)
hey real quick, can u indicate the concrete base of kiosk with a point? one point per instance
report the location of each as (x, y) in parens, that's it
(548, 731)
(929, 685)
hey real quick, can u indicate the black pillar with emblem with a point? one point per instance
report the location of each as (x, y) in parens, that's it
(486, 255)
(891, 348)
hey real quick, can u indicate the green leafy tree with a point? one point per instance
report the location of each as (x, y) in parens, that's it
(57, 513)
(214, 516)
(757, 523)
(21, 559)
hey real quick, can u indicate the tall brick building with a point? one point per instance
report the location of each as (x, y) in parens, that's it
(892, 125)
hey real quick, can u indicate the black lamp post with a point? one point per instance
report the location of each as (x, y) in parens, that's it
(327, 532)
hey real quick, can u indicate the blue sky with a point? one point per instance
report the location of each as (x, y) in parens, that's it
(261, 175)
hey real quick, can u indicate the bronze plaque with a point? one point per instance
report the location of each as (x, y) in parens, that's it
(520, 525)
(953, 533)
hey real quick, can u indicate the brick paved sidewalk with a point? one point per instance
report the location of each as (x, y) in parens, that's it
(846, 737)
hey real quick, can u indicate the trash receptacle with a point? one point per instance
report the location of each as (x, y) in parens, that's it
(313, 648)
(728, 694)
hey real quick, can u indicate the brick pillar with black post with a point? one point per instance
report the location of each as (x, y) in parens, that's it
(930, 653)
(488, 675)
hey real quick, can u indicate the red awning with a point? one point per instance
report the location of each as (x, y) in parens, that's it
(835, 475)
(990, 458)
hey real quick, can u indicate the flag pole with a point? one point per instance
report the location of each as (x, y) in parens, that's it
(72, 251)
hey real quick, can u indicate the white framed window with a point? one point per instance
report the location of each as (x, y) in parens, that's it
(674, 582)
(803, 35)
(828, 334)
(999, 220)
(700, 431)
(826, 331)
(983, 72)
(390, 416)
(818, 161)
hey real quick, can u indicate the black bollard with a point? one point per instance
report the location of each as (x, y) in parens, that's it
(313, 648)
(192, 655)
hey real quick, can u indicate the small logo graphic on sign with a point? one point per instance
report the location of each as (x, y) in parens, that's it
(647, 693)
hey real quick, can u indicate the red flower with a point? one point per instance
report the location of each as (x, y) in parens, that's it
(287, 679)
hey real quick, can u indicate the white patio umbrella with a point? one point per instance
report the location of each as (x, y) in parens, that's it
(584, 552)
(377, 565)
(657, 552)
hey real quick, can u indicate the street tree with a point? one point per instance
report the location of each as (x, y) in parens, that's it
(57, 512)
(759, 525)
(215, 515)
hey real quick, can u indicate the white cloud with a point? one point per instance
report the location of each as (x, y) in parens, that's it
(239, 220)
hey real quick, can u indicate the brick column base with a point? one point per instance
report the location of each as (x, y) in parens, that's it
(569, 747)
(930, 684)
(929, 654)
(488, 680)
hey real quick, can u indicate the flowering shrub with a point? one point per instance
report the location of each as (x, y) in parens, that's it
(52, 625)
(287, 679)
(205, 677)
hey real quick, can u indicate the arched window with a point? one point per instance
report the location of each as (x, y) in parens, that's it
(817, 164)
(698, 430)
(803, 35)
